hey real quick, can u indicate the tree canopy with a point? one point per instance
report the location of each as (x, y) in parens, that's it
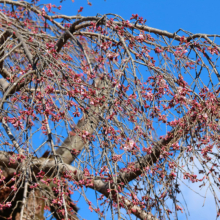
(100, 102)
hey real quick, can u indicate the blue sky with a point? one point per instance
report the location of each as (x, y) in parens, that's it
(196, 16)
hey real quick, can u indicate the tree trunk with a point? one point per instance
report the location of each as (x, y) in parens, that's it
(35, 203)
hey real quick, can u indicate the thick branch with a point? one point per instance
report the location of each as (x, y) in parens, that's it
(88, 123)
(150, 159)
(64, 38)
(49, 166)
(3, 38)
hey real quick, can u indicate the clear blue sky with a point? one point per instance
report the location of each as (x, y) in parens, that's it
(196, 16)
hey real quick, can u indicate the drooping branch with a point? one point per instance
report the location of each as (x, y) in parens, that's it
(65, 64)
